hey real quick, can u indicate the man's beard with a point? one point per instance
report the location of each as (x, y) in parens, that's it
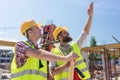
(67, 39)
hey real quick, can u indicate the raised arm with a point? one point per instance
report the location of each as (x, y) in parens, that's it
(89, 22)
(81, 39)
(45, 55)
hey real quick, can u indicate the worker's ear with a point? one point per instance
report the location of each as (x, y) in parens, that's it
(30, 32)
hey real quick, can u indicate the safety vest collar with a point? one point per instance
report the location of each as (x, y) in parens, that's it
(30, 44)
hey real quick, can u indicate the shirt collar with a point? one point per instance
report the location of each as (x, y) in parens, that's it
(32, 44)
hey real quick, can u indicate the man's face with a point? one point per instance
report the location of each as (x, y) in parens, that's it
(36, 31)
(65, 36)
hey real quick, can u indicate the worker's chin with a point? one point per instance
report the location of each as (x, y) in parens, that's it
(67, 39)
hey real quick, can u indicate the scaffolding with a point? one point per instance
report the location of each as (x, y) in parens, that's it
(108, 70)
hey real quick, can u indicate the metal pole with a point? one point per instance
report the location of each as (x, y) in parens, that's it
(115, 75)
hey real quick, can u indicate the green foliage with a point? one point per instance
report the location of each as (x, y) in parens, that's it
(93, 41)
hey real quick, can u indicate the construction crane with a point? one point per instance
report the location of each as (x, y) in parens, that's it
(116, 39)
(6, 42)
(5, 28)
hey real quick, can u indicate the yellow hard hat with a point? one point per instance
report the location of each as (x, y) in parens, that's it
(28, 24)
(57, 31)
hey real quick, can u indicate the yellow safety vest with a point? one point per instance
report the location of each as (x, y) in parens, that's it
(30, 70)
(80, 64)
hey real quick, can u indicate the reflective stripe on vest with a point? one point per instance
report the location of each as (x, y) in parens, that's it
(66, 70)
(35, 72)
(78, 62)
(84, 69)
(64, 79)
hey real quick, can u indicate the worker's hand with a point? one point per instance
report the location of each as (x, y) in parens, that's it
(50, 76)
(90, 10)
(72, 56)
(67, 64)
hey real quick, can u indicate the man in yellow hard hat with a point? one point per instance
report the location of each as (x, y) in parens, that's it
(29, 62)
(59, 69)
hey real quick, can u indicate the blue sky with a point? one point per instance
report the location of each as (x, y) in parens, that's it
(70, 13)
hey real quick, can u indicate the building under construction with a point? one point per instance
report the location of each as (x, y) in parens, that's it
(110, 67)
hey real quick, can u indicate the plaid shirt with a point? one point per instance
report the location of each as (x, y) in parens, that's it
(20, 50)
